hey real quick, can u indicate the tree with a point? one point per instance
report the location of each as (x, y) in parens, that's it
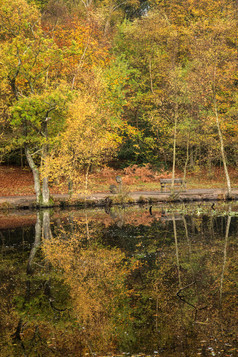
(88, 139)
(36, 119)
(82, 48)
(164, 43)
(37, 98)
(42, 68)
(157, 99)
(214, 69)
(93, 129)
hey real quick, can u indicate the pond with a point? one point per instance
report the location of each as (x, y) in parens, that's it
(141, 281)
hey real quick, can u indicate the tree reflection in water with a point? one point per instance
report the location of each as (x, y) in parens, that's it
(122, 281)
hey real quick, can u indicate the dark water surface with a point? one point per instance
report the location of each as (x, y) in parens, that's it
(130, 281)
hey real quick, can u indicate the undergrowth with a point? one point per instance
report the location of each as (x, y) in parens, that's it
(19, 182)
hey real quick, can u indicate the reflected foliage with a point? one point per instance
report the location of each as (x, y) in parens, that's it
(129, 280)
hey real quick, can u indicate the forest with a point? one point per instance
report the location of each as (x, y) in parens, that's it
(84, 83)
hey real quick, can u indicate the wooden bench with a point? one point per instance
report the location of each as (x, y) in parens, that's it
(168, 182)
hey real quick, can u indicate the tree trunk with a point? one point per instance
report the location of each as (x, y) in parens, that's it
(36, 243)
(225, 256)
(36, 175)
(223, 155)
(177, 251)
(209, 163)
(46, 230)
(187, 157)
(174, 148)
(45, 192)
(45, 181)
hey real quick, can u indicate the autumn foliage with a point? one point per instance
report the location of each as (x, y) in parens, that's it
(146, 83)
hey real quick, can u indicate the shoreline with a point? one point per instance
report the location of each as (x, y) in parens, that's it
(108, 199)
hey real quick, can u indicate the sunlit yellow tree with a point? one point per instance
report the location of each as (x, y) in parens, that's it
(93, 129)
(89, 138)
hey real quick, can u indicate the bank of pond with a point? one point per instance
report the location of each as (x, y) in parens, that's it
(148, 280)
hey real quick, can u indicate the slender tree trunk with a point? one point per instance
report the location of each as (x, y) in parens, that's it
(223, 155)
(177, 251)
(174, 148)
(45, 180)
(225, 256)
(199, 156)
(36, 174)
(187, 236)
(209, 163)
(36, 243)
(187, 157)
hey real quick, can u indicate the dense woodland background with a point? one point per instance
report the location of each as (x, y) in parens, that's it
(84, 83)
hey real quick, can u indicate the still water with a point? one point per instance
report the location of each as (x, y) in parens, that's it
(158, 281)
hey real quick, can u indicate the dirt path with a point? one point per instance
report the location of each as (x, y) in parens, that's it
(102, 199)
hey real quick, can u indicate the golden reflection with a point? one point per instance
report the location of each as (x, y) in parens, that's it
(97, 279)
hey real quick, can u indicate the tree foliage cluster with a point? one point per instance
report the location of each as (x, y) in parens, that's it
(150, 81)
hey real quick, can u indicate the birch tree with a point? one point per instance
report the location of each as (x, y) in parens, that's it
(213, 73)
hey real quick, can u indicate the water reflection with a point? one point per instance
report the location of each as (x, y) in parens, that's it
(142, 281)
